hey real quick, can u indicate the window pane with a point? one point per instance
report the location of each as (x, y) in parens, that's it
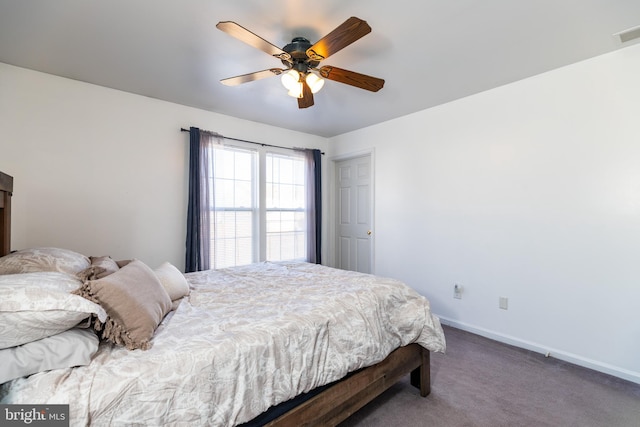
(235, 210)
(273, 222)
(223, 190)
(286, 196)
(298, 173)
(286, 171)
(225, 225)
(285, 182)
(243, 194)
(243, 162)
(286, 224)
(223, 163)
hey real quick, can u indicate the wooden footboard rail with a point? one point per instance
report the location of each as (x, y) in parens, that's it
(339, 401)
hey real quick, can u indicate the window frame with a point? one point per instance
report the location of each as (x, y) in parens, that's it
(254, 209)
(259, 250)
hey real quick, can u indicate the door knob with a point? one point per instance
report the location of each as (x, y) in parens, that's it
(369, 233)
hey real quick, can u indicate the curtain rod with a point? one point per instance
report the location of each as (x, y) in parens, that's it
(250, 142)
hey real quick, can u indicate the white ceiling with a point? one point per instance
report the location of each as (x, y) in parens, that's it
(429, 52)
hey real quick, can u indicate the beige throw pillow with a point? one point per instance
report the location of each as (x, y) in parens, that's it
(101, 266)
(135, 302)
(172, 280)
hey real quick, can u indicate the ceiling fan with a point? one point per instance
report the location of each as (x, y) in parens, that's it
(302, 76)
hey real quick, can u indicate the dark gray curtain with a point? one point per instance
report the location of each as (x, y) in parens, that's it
(198, 208)
(314, 206)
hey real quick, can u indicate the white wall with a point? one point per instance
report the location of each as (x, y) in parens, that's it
(101, 171)
(530, 191)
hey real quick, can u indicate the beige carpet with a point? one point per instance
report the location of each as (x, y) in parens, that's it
(481, 382)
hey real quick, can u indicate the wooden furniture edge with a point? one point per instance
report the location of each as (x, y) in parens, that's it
(6, 190)
(344, 398)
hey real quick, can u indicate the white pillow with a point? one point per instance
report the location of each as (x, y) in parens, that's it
(172, 280)
(43, 259)
(70, 348)
(37, 305)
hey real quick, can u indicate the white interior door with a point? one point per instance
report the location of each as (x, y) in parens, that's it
(354, 239)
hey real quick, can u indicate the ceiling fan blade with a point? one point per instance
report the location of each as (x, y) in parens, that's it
(246, 78)
(307, 96)
(352, 78)
(252, 39)
(346, 33)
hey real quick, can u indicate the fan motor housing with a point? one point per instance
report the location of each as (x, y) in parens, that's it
(298, 51)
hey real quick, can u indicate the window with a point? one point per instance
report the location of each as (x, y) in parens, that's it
(285, 208)
(258, 206)
(234, 217)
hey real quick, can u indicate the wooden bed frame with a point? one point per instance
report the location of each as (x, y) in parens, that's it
(6, 190)
(335, 403)
(344, 398)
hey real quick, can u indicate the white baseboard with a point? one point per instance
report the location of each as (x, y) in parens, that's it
(558, 354)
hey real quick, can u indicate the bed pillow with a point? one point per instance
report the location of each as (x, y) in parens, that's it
(43, 259)
(172, 280)
(101, 266)
(38, 305)
(135, 302)
(74, 347)
(123, 262)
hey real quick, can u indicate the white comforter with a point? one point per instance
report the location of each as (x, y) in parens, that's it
(246, 338)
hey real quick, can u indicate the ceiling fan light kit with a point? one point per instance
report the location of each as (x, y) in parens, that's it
(296, 90)
(301, 76)
(315, 82)
(292, 80)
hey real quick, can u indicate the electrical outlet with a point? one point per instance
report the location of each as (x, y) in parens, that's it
(457, 291)
(503, 303)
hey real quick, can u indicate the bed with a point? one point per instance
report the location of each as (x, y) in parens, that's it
(286, 343)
